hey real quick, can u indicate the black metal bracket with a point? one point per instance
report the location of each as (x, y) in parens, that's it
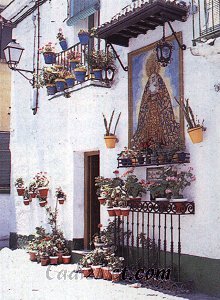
(182, 46)
(20, 71)
(117, 56)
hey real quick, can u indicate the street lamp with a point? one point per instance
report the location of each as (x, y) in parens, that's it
(164, 50)
(13, 52)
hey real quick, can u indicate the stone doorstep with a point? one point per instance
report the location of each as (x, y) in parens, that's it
(78, 254)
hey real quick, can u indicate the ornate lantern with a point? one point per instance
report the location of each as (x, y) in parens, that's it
(164, 50)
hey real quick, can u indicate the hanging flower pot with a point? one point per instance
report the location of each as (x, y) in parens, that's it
(61, 200)
(32, 195)
(63, 45)
(73, 64)
(196, 134)
(106, 273)
(102, 200)
(53, 260)
(26, 201)
(84, 37)
(33, 255)
(97, 271)
(20, 191)
(51, 89)
(97, 74)
(110, 141)
(86, 271)
(43, 191)
(43, 203)
(60, 84)
(111, 212)
(49, 58)
(80, 74)
(125, 211)
(70, 80)
(66, 259)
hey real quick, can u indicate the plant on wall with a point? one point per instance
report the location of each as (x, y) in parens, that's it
(110, 137)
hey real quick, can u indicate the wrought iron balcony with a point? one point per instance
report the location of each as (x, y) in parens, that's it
(206, 23)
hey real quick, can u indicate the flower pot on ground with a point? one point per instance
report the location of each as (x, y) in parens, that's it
(125, 211)
(83, 37)
(33, 255)
(97, 271)
(110, 141)
(44, 260)
(60, 84)
(86, 271)
(66, 259)
(111, 212)
(116, 276)
(60, 256)
(51, 89)
(53, 260)
(80, 74)
(70, 80)
(106, 273)
(196, 134)
(97, 74)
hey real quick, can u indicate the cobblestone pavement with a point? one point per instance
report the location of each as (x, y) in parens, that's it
(21, 279)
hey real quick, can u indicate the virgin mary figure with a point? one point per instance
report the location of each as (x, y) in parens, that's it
(156, 119)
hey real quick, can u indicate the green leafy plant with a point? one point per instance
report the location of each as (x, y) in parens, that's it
(108, 126)
(134, 187)
(60, 35)
(41, 179)
(19, 183)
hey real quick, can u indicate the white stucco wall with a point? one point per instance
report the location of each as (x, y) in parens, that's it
(55, 139)
(6, 219)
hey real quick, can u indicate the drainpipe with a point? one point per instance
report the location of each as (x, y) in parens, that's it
(36, 90)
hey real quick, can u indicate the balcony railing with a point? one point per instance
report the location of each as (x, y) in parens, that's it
(206, 23)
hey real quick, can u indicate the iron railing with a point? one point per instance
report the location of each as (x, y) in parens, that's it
(150, 237)
(206, 22)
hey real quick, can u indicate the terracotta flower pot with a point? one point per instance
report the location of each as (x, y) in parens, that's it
(102, 201)
(44, 260)
(33, 255)
(179, 205)
(53, 260)
(26, 202)
(32, 195)
(116, 276)
(196, 134)
(60, 257)
(111, 212)
(110, 141)
(61, 200)
(20, 191)
(86, 272)
(43, 191)
(42, 203)
(117, 211)
(125, 211)
(97, 271)
(106, 273)
(98, 245)
(66, 259)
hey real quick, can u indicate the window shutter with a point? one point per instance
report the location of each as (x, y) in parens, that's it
(5, 162)
(81, 9)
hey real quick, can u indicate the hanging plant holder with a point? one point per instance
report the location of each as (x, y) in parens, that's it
(196, 134)
(110, 141)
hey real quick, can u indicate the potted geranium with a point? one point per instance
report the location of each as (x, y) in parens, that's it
(61, 196)
(53, 254)
(60, 81)
(80, 73)
(26, 197)
(74, 58)
(134, 187)
(98, 259)
(116, 265)
(47, 78)
(49, 53)
(62, 40)
(85, 263)
(32, 250)
(70, 79)
(110, 138)
(42, 183)
(32, 189)
(19, 184)
(83, 37)
(66, 256)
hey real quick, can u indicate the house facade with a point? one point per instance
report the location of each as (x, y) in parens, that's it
(65, 135)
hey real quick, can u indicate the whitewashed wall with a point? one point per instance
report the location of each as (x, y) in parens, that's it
(63, 129)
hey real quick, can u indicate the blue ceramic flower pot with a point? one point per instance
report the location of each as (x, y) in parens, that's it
(80, 75)
(73, 64)
(51, 89)
(70, 82)
(84, 38)
(49, 58)
(60, 85)
(98, 74)
(63, 45)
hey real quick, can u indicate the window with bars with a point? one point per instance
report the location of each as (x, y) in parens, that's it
(212, 15)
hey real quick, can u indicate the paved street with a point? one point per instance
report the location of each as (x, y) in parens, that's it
(21, 279)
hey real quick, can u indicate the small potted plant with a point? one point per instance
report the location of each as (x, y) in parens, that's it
(60, 81)
(80, 73)
(70, 79)
(62, 40)
(61, 196)
(66, 256)
(26, 197)
(110, 138)
(98, 259)
(42, 183)
(134, 187)
(53, 255)
(19, 184)
(84, 36)
(49, 53)
(74, 58)
(47, 78)
(32, 250)
(85, 263)
(32, 189)
(195, 128)
(116, 265)
(42, 200)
